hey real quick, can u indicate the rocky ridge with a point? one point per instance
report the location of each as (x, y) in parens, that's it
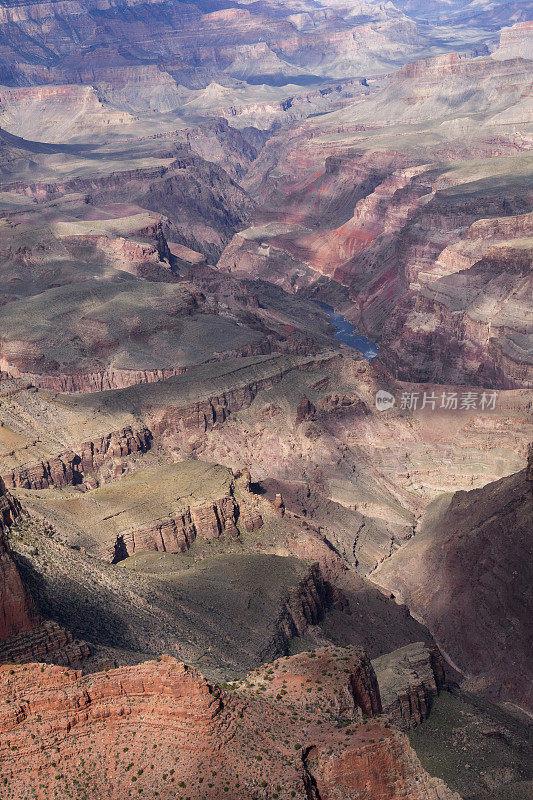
(16, 612)
(103, 710)
(24, 635)
(162, 509)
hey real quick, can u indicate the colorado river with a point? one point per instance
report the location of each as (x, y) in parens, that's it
(346, 333)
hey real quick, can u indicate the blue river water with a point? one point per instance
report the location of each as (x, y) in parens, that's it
(347, 334)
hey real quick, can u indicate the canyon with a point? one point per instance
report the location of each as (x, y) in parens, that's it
(265, 400)
(391, 211)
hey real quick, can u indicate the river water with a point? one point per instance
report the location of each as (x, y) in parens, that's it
(346, 333)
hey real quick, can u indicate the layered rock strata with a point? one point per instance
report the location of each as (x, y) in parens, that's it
(176, 534)
(409, 679)
(160, 727)
(334, 681)
(48, 641)
(24, 635)
(70, 468)
(304, 606)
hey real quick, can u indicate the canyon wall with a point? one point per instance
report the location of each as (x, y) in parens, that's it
(160, 726)
(16, 611)
(466, 574)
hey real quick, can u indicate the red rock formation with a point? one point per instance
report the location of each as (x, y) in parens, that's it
(24, 635)
(382, 770)
(48, 641)
(160, 728)
(250, 518)
(329, 681)
(16, 611)
(372, 214)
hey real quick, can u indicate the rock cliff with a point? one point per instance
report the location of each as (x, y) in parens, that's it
(16, 611)
(70, 469)
(466, 573)
(409, 679)
(24, 635)
(160, 728)
(329, 681)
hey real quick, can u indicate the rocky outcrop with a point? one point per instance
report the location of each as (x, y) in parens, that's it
(305, 410)
(207, 413)
(383, 769)
(60, 705)
(70, 469)
(24, 635)
(471, 326)
(409, 679)
(250, 518)
(304, 605)
(466, 573)
(515, 42)
(47, 641)
(155, 509)
(171, 536)
(279, 504)
(176, 534)
(329, 681)
(160, 726)
(9, 508)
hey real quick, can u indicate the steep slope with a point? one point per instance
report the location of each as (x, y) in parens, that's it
(466, 573)
(472, 325)
(16, 611)
(24, 634)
